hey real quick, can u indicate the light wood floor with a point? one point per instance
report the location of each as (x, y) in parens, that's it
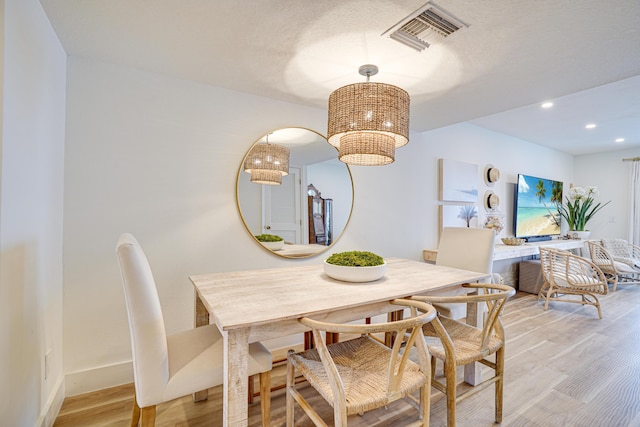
(564, 367)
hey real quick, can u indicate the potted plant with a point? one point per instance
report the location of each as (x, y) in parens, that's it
(579, 209)
(355, 266)
(270, 241)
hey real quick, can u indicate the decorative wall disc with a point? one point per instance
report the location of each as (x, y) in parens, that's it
(491, 175)
(491, 201)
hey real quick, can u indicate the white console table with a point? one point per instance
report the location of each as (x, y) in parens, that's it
(503, 251)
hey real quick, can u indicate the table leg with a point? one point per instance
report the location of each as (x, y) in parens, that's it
(201, 318)
(308, 340)
(236, 362)
(201, 314)
(331, 338)
(393, 316)
(472, 371)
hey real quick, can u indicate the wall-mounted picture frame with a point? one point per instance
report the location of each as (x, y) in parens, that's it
(458, 216)
(458, 181)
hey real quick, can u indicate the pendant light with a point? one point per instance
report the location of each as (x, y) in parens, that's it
(267, 163)
(368, 121)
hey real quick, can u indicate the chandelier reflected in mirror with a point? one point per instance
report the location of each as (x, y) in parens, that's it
(267, 163)
(368, 121)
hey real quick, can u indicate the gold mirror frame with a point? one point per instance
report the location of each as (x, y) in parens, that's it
(311, 157)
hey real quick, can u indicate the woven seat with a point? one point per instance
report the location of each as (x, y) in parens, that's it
(566, 274)
(362, 374)
(618, 259)
(459, 344)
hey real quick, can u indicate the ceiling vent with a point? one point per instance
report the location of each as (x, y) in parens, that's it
(424, 26)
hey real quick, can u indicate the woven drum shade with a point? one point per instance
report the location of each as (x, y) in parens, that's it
(268, 156)
(367, 148)
(267, 163)
(265, 176)
(361, 109)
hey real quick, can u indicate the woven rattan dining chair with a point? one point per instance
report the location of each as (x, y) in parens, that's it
(362, 374)
(177, 365)
(619, 261)
(457, 343)
(566, 274)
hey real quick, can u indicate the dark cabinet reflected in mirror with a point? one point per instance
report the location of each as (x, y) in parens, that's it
(320, 217)
(311, 206)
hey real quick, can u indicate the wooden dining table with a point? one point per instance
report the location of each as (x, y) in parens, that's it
(254, 305)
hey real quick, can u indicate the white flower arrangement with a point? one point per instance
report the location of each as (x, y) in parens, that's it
(580, 207)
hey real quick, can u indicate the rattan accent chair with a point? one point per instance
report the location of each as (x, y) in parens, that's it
(361, 374)
(619, 260)
(566, 274)
(457, 343)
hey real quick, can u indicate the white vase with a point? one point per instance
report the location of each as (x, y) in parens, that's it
(582, 235)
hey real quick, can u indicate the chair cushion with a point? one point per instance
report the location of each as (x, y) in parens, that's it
(196, 361)
(573, 280)
(629, 265)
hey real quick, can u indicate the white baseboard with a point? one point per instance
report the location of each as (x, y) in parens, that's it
(98, 378)
(52, 407)
(89, 380)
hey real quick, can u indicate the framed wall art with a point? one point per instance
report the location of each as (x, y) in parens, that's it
(458, 216)
(458, 181)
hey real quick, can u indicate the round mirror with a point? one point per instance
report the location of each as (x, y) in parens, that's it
(306, 207)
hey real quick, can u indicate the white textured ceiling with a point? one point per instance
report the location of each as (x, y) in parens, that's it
(583, 54)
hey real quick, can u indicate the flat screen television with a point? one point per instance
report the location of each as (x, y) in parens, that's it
(536, 215)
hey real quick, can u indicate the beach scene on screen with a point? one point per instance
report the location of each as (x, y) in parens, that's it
(536, 212)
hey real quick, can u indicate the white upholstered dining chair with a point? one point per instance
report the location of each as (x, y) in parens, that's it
(466, 249)
(169, 367)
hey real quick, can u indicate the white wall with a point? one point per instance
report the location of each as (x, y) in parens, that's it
(396, 210)
(32, 147)
(612, 176)
(156, 157)
(159, 157)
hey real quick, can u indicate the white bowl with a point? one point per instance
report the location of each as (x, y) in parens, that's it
(274, 246)
(354, 274)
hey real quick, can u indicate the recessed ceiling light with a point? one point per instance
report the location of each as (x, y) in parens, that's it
(590, 126)
(547, 104)
(619, 139)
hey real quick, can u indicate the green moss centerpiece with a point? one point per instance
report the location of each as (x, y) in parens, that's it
(270, 241)
(355, 266)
